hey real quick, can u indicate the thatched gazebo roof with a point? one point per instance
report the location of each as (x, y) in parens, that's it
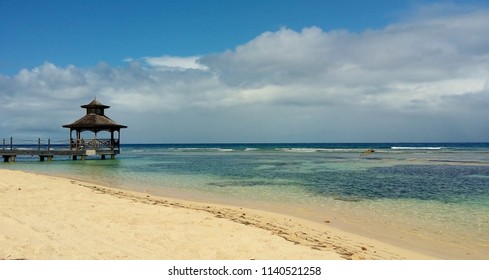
(95, 123)
(94, 104)
(95, 120)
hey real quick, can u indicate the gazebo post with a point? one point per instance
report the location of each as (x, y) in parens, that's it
(71, 139)
(78, 143)
(112, 139)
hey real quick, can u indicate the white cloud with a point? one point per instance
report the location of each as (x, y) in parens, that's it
(423, 79)
(414, 60)
(175, 62)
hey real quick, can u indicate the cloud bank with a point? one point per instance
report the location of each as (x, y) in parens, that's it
(422, 79)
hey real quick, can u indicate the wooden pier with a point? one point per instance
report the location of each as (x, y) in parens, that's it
(94, 121)
(46, 151)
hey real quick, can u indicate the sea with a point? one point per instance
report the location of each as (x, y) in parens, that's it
(430, 196)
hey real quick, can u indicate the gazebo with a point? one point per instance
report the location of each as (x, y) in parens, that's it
(95, 121)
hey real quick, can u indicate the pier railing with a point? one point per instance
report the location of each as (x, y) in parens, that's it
(11, 148)
(48, 145)
(39, 144)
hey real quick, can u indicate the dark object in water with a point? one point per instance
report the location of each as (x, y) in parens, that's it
(368, 152)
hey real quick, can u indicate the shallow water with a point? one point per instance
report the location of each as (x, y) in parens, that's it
(433, 192)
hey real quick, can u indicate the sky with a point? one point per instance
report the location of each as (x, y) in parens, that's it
(248, 71)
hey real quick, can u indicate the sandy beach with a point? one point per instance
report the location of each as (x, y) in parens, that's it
(46, 217)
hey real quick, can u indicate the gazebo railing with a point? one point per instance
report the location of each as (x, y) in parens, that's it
(98, 144)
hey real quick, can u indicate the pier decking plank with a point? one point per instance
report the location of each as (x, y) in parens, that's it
(10, 154)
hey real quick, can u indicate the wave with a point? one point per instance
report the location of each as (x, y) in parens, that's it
(416, 148)
(25, 148)
(205, 149)
(225, 150)
(301, 150)
(317, 150)
(260, 149)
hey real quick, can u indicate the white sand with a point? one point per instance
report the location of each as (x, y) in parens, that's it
(45, 217)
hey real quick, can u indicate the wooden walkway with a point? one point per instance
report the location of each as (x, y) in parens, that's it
(9, 151)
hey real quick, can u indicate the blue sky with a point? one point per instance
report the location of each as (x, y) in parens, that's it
(86, 32)
(249, 71)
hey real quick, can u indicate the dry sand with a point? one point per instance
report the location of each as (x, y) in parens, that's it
(45, 217)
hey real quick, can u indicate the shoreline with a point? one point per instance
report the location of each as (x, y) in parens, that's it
(50, 217)
(414, 236)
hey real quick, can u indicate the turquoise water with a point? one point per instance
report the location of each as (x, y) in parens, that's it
(430, 191)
